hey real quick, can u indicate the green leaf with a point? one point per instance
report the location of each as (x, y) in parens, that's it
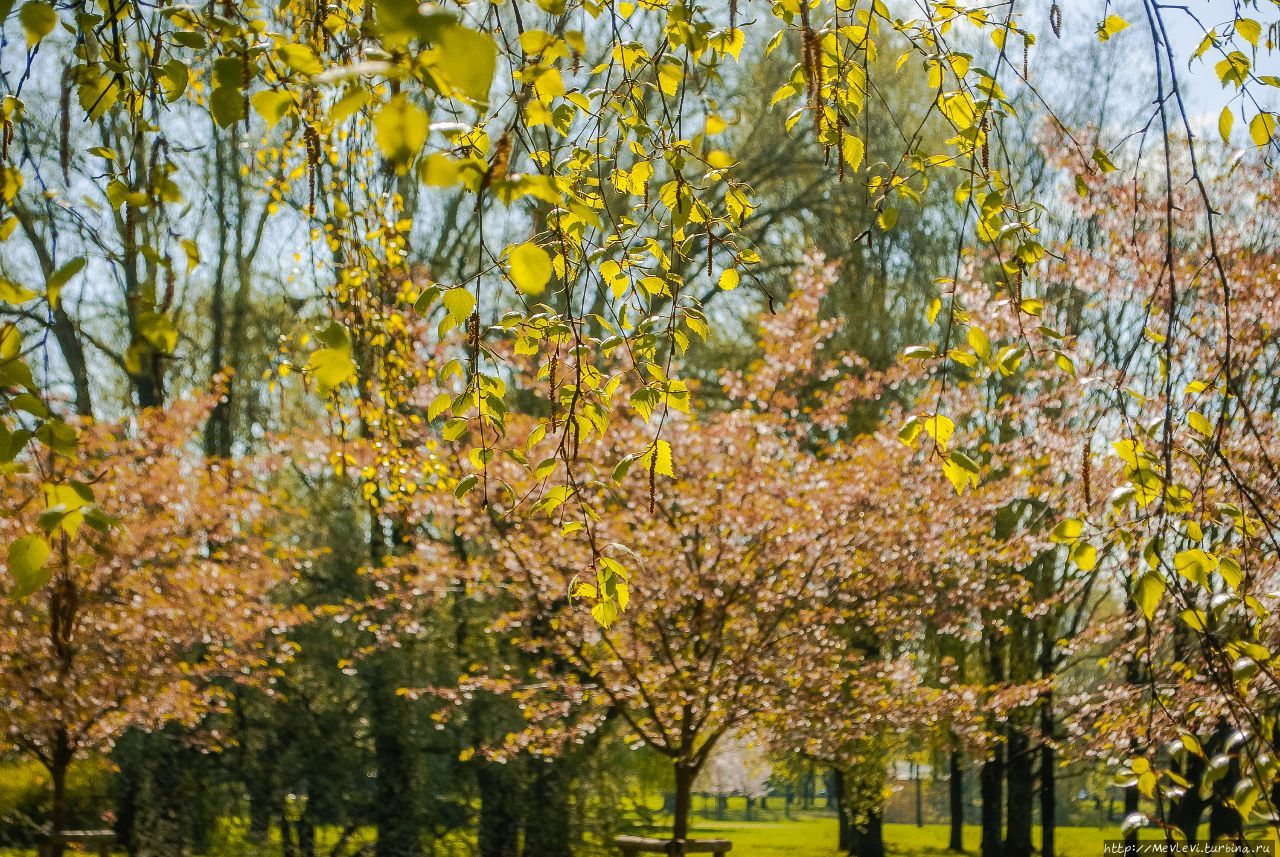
(623, 466)
(1231, 572)
(465, 62)
(438, 405)
(1084, 555)
(271, 105)
(910, 430)
(301, 59)
(940, 428)
(658, 457)
(605, 613)
(1067, 531)
(58, 436)
(1195, 565)
(401, 130)
(961, 471)
(38, 20)
(158, 331)
(1103, 161)
(332, 365)
(465, 484)
(853, 150)
(438, 170)
(1109, 27)
(227, 105)
(1200, 423)
(174, 77)
(60, 277)
(1233, 69)
(27, 563)
(530, 268)
(1249, 30)
(1196, 619)
(979, 342)
(1009, 359)
(459, 303)
(12, 293)
(1148, 592)
(1262, 128)
(1245, 796)
(887, 219)
(29, 403)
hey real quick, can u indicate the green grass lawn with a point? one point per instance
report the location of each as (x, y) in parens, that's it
(815, 836)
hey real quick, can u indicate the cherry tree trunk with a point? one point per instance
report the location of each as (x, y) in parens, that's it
(1048, 783)
(956, 797)
(547, 830)
(60, 765)
(991, 778)
(395, 816)
(842, 811)
(683, 803)
(499, 829)
(867, 836)
(1019, 770)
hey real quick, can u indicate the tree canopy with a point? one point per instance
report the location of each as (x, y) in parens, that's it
(685, 348)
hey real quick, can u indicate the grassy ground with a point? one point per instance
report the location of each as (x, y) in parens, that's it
(815, 836)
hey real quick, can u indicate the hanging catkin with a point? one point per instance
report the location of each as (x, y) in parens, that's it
(986, 145)
(64, 129)
(1086, 475)
(551, 374)
(311, 139)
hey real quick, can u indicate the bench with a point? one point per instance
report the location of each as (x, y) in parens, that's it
(99, 840)
(630, 846)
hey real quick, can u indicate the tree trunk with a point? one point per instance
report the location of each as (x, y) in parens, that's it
(287, 847)
(1020, 774)
(842, 811)
(259, 812)
(64, 329)
(1185, 812)
(1048, 754)
(1130, 807)
(991, 781)
(306, 829)
(547, 831)
(1225, 821)
(684, 775)
(991, 778)
(217, 433)
(1048, 782)
(919, 795)
(499, 828)
(394, 811)
(60, 765)
(956, 842)
(867, 837)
